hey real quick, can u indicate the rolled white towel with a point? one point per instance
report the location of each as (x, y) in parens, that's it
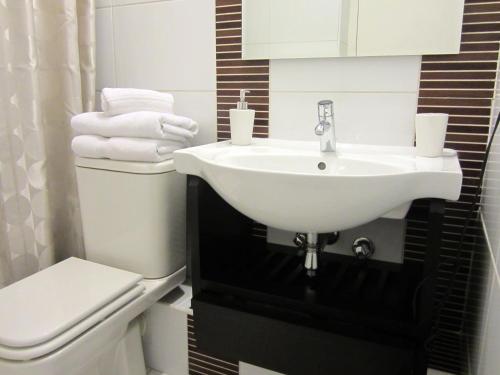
(117, 101)
(128, 149)
(144, 124)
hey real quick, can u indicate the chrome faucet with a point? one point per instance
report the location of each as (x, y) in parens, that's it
(326, 126)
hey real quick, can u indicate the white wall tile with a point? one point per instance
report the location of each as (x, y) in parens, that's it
(129, 2)
(373, 118)
(167, 45)
(387, 74)
(490, 360)
(375, 98)
(105, 62)
(200, 106)
(102, 3)
(485, 308)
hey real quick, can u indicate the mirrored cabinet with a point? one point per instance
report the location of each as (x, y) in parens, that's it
(280, 29)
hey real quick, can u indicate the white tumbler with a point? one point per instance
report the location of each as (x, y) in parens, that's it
(430, 133)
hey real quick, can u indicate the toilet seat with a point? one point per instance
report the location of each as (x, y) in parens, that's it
(95, 292)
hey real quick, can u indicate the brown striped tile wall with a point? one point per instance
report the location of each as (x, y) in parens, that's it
(234, 74)
(461, 85)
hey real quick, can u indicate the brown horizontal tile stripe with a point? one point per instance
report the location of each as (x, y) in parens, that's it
(468, 102)
(227, 9)
(467, 111)
(228, 48)
(481, 17)
(236, 93)
(250, 99)
(487, 7)
(256, 106)
(476, 1)
(223, 17)
(428, 66)
(242, 63)
(463, 56)
(243, 70)
(468, 129)
(229, 25)
(480, 37)
(470, 120)
(229, 40)
(257, 85)
(426, 93)
(458, 75)
(223, 3)
(247, 78)
(228, 55)
(461, 85)
(478, 46)
(224, 33)
(481, 27)
(457, 84)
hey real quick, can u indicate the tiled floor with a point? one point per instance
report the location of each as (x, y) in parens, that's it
(430, 372)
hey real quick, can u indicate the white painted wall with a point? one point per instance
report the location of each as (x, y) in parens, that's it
(161, 45)
(375, 98)
(489, 359)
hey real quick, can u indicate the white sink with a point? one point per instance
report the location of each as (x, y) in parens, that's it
(281, 184)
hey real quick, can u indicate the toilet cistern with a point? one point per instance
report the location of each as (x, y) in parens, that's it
(325, 128)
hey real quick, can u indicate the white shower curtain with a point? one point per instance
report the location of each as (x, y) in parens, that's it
(47, 74)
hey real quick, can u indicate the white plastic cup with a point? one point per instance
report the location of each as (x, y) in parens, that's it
(430, 133)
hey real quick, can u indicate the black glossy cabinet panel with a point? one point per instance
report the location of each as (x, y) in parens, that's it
(253, 301)
(292, 348)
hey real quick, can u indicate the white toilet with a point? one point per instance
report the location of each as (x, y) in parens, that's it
(78, 317)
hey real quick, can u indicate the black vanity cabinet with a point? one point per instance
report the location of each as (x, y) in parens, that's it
(254, 302)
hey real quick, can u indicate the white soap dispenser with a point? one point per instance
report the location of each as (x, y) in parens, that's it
(241, 122)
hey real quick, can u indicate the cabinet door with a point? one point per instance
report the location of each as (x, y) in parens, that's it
(409, 27)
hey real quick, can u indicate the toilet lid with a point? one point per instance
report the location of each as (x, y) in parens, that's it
(44, 305)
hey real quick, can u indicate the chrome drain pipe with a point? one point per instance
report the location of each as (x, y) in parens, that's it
(311, 261)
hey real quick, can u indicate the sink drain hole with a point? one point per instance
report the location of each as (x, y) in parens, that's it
(321, 166)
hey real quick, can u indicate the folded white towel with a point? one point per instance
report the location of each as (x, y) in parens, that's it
(143, 124)
(118, 101)
(129, 149)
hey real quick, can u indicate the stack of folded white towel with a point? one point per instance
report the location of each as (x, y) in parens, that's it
(135, 125)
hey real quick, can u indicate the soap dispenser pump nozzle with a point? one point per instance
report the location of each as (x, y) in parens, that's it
(242, 104)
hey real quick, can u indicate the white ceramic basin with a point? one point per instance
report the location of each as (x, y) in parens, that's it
(282, 184)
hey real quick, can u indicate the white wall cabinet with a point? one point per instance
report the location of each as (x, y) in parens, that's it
(280, 29)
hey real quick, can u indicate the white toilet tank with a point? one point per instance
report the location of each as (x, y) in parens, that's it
(133, 214)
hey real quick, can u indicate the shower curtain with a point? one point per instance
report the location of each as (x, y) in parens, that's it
(47, 75)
